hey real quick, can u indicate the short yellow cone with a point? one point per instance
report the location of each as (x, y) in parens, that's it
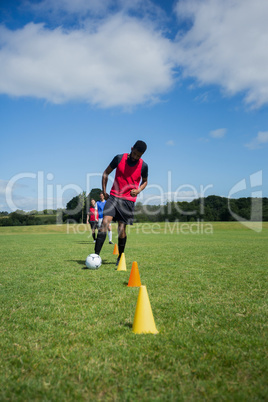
(143, 319)
(115, 252)
(122, 263)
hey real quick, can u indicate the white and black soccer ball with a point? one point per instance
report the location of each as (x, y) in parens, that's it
(93, 261)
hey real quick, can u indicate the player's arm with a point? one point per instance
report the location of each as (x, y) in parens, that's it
(87, 218)
(143, 184)
(134, 192)
(105, 175)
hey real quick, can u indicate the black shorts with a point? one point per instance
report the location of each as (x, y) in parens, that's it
(94, 225)
(121, 210)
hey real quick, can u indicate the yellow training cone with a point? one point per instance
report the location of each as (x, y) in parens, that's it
(143, 319)
(134, 279)
(122, 263)
(115, 252)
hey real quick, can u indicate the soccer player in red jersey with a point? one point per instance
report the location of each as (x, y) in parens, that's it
(130, 179)
(92, 218)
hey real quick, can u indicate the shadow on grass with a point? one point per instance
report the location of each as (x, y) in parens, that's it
(85, 242)
(126, 324)
(82, 262)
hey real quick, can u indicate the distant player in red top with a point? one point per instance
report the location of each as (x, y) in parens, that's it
(130, 179)
(93, 217)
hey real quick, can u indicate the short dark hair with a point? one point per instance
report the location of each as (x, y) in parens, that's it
(140, 146)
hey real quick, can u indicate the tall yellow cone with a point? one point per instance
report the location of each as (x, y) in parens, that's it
(143, 319)
(122, 263)
(134, 278)
(115, 252)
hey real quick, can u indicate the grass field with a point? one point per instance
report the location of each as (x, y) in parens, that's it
(66, 332)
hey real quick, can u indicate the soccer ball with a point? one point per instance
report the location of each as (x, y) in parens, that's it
(93, 261)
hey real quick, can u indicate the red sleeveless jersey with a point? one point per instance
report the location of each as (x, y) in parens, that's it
(126, 178)
(92, 211)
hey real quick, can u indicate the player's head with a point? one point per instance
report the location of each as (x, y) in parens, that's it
(101, 196)
(140, 146)
(137, 150)
(92, 202)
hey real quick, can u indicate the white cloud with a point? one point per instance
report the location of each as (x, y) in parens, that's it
(19, 201)
(226, 45)
(202, 98)
(259, 141)
(170, 143)
(116, 52)
(121, 61)
(29, 203)
(18, 193)
(219, 133)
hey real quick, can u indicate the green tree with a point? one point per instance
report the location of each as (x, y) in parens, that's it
(95, 195)
(73, 209)
(82, 202)
(77, 208)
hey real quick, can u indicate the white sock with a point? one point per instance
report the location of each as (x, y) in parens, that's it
(110, 235)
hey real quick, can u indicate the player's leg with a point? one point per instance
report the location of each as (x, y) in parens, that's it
(110, 234)
(94, 234)
(92, 225)
(122, 239)
(102, 233)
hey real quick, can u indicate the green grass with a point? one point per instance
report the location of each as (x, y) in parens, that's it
(66, 332)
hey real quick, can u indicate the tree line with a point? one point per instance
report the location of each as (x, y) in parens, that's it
(211, 209)
(22, 218)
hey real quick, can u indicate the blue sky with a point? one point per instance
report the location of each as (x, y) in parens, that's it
(81, 81)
